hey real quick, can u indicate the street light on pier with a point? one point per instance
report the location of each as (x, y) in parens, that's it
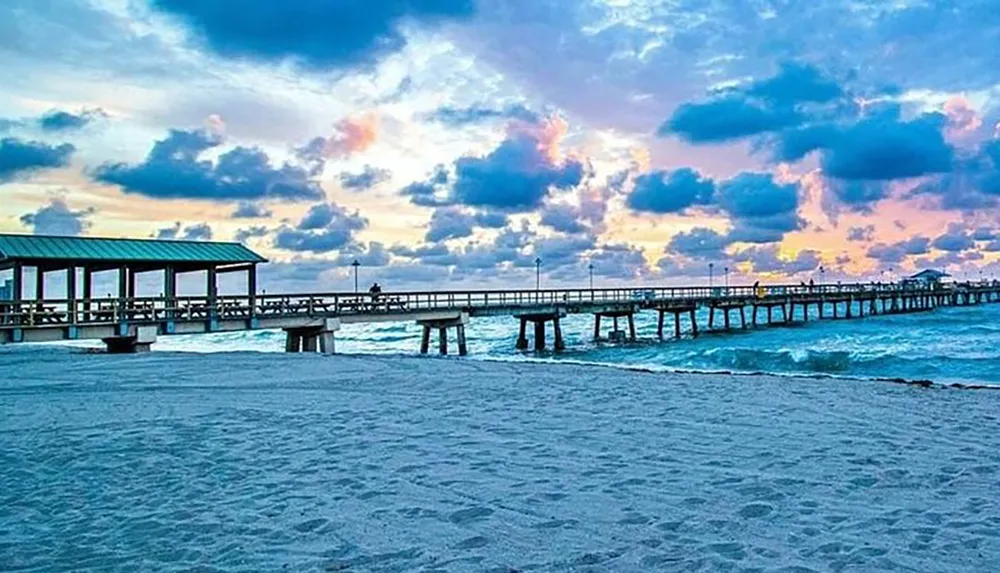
(711, 274)
(356, 264)
(725, 270)
(822, 275)
(538, 273)
(590, 269)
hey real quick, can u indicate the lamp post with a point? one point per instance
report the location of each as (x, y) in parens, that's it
(711, 274)
(356, 264)
(725, 270)
(822, 275)
(590, 269)
(538, 273)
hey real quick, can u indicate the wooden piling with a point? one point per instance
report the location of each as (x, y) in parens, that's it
(659, 324)
(743, 317)
(463, 348)
(522, 337)
(597, 327)
(631, 327)
(694, 323)
(443, 341)
(539, 335)
(558, 344)
(425, 339)
(677, 324)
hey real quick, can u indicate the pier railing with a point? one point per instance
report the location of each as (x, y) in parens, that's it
(138, 310)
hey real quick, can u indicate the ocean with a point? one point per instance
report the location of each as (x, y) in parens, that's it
(947, 345)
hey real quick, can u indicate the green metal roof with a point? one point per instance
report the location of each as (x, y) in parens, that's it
(39, 247)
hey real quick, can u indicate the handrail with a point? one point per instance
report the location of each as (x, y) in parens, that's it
(54, 312)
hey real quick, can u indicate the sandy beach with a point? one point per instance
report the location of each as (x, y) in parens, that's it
(256, 462)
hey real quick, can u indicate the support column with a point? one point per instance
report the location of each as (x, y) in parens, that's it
(425, 339)
(310, 342)
(252, 289)
(212, 286)
(805, 312)
(861, 308)
(754, 315)
(443, 340)
(463, 349)
(539, 335)
(836, 307)
(326, 336)
(122, 293)
(743, 317)
(71, 295)
(725, 317)
(39, 287)
(293, 341)
(631, 327)
(820, 305)
(131, 284)
(659, 324)
(769, 314)
(597, 327)
(522, 337)
(711, 317)
(694, 324)
(790, 315)
(850, 311)
(677, 325)
(558, 345)
(88, 292)
(170, 290)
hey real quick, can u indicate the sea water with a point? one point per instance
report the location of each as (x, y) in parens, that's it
(951, 344)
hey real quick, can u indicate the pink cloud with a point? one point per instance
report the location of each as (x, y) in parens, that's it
(352, 135)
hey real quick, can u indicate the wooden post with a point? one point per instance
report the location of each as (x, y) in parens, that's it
(711, 317)
(443, 340)
(791, 312)
(88, 292)
(17, 295)
(861, 307)
(659, 324)
(39, 286)
(631, 327)
(725, 317)
(694, 323)
(252, 289)
(71, 295)
(170, 290)
(820, 305)
(597, 327)
(463, 349)
(131, 284)
(425, 339)
(754, 315)
(309, 342)
(784, 313)
(122, 282)
(769, 313)
(539, 335)
(836, 307)
(559, 346)
(212, 286)
(522, 337)
(293, 341)
(677, 325)
(743, 317)
(805, 312)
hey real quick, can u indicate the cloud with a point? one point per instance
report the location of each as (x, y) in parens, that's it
(249, 210)
(351, 135)
(957, 239)
(19, 158)
(518, 175)
(670, 192)
(698, 243)
(895, 253)
(884, 148)
(762, 209)
(58, 120)
(454, 223)
(173, 170)
(368, 177)
(57, 218)
(478, 113)
(857, 196)
(768, 260)
(196, 232)
(325, 227)
(311, 34)
(243, 235)
(861, 234)
(431, 192)
(763, 106)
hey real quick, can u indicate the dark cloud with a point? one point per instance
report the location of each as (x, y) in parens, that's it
(313, 34)
(762, 209)
(955, 240)
(563, 218)
(763, 106)
(726, 120)
(196, 232)
(861, 234)
(19, 158)
(460, 116)
(368, 177)
(173, 170)
(243, 235)
(670, 192)
(516, 176)
(373, 254)
(57, 218)
(698, 243)
(58, 120)
(984, 234)
(432, 191)
(325, 227)
(895, 253)
(884, 148)
(249, 210)
(454, 223)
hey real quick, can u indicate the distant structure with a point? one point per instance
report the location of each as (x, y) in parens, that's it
(927, 277)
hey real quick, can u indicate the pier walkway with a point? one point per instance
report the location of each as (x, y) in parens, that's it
(129, 323)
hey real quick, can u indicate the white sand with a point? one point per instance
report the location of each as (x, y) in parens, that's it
(250, 462)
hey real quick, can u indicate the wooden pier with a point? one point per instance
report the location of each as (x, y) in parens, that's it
(128, 323)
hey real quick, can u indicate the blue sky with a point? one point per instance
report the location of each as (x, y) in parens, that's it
(449, 143)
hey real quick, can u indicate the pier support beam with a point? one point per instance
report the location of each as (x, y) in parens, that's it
(142, 341)
(539, 321)
(319, 337)
(442, 327)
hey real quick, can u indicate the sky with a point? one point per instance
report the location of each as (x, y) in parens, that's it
(449, 144)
